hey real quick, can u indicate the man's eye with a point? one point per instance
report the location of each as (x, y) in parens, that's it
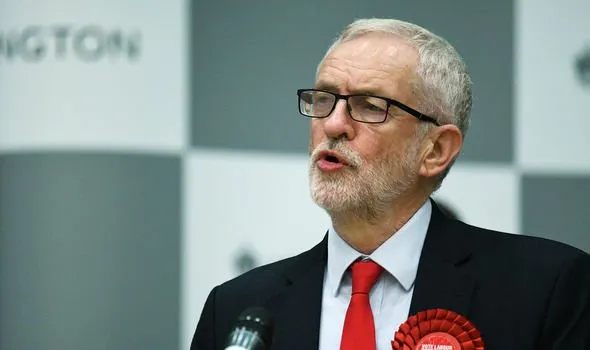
(374, 105)
(375, 108)
(321, 100)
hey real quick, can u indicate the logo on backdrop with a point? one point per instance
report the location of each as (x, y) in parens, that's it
(90, 43)
(582, 65)
(244, 261)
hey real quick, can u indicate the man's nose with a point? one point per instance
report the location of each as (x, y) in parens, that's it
(339, 123)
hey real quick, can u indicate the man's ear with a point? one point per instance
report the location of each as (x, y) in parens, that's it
(443, 146)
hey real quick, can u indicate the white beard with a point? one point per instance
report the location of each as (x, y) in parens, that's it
(362, 189)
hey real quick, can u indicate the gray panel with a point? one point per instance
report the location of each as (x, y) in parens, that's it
(556, 207)
(249, 58)
(89, 252)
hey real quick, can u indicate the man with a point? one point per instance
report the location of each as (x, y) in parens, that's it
(389, 111)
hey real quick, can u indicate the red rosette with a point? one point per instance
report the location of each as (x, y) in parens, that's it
(437, 329)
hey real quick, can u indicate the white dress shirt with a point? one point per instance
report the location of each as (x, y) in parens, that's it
(392, 293)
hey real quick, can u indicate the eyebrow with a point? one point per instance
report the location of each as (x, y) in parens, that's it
(324, 85)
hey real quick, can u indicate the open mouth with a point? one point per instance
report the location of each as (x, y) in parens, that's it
(331, 159)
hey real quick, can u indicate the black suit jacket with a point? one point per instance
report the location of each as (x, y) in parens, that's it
(522, 293)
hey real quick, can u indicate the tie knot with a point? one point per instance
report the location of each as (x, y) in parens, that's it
(364, 276)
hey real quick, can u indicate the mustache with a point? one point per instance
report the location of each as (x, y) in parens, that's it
(352, 157)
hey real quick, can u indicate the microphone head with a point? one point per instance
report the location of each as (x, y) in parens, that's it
(255, 316)
(257, 319)
(253, 329)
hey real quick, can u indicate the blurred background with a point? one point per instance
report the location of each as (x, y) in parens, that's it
(150, 150)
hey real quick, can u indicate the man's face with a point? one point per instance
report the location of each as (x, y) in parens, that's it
(357, 165)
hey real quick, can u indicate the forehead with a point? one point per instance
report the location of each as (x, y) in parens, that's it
(377, 63)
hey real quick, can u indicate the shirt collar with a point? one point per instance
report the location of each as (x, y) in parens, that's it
(399, 255)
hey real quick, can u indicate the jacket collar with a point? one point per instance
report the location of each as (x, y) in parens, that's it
(442, 281)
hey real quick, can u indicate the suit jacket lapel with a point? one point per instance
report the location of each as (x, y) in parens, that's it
(297, 310)
(441, 282)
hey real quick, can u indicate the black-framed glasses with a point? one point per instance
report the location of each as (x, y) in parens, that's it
(315, 103)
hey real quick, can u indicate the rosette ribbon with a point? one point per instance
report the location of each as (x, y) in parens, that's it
(437, 329)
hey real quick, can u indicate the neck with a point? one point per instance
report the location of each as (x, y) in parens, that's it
(365, 229)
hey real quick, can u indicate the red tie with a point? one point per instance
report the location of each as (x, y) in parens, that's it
(359, 326)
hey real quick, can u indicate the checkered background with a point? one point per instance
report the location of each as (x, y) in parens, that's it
(152, 149)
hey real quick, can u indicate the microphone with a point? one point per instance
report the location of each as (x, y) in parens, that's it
(252, 331)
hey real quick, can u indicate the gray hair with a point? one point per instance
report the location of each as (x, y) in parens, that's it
(442, 85)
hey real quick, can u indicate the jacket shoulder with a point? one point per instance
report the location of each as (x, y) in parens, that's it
(259, 278)
(264, 281)
(522, 249)
(253, 288)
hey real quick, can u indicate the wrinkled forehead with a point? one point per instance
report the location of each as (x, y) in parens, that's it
(376, 61)
(393, 47)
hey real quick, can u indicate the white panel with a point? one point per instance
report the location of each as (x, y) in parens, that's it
(552, 103)
(483, 195)
(120, 100)
(238, 199)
